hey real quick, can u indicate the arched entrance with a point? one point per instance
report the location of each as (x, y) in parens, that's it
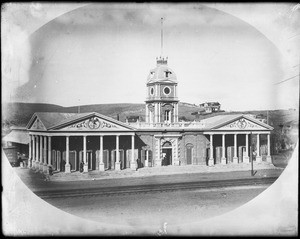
(166, 154)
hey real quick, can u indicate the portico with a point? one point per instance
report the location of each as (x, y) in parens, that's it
(63, 135)
(244, 128)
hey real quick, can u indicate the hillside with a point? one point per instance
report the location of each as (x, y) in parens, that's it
(19, 114)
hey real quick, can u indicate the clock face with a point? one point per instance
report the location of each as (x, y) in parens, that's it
(167, 90)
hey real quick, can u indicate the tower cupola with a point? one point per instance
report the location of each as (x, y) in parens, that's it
(162, 100)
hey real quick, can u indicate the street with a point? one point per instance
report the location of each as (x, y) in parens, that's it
(153, 209)
(151, 201)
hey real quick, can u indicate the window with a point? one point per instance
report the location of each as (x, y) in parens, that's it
(167, 115)
(168, 73)
(151, 91)
(167, 90)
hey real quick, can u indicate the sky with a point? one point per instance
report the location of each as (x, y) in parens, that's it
(77, 54)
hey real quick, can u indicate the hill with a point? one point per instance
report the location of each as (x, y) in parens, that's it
(18, 114)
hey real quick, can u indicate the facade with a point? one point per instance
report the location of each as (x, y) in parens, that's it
(65, 141)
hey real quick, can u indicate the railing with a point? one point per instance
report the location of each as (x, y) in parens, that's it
(144, 125)
(162, 97)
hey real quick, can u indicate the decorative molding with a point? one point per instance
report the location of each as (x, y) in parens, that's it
(93, 123)
(37, 124)
(241, 124)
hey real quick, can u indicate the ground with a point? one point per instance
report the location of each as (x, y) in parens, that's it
(148, 212)
(152, 210)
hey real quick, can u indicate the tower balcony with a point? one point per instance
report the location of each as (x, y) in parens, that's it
(173, 125)
(161, 98)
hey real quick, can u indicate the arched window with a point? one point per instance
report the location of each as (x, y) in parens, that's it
(167, 145)
(167, 115)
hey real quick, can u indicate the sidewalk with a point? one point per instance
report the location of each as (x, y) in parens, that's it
(166, 170)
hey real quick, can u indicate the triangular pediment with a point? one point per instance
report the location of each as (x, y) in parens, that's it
(94, 122)
(36, 124)
(243, 123)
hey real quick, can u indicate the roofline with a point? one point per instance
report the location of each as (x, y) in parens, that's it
(31, 120)
(89, 115)
(248, 118)
(153, 82)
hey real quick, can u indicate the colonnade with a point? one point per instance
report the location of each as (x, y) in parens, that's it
(39, 145)
(246, 158)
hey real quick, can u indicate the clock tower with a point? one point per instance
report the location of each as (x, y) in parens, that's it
(162, 100)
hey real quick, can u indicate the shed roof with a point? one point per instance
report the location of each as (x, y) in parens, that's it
(19, 135)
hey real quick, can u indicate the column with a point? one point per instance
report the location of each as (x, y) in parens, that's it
(147, 158)
(150, 116)
(41, 154)
(175, 153)
(269, 158)
(223, 159)
(132, 161)
(49, 152)
(177, 112)
(155, 112)
(117, 165)
(30, 152)
(85, 166)
(158, 116)
(101, 164)
(235, 158)
(246, 157)
(158, 159)
(174, 113)
(37, 151)
(45, 155)
(211, 149)
(33, 152)
(258, 156)
(67, 166)
(147, 114)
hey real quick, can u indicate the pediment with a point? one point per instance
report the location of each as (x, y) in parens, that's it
(37, 124)
(242, 124)
(94, 123)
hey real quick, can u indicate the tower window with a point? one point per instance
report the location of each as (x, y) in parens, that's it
(167, 115)
(167, 90)
(168, 73)
(152, 91)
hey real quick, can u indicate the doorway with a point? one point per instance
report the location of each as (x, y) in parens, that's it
(167, 154)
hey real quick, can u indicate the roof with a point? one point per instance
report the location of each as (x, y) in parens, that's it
(158, 74)
(54, 120)
(214, 121)
(19, 135)
(50, 119)
(221, 120)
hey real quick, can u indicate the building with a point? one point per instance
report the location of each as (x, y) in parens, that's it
(67, 140)
(15, 144)
(210, 107)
